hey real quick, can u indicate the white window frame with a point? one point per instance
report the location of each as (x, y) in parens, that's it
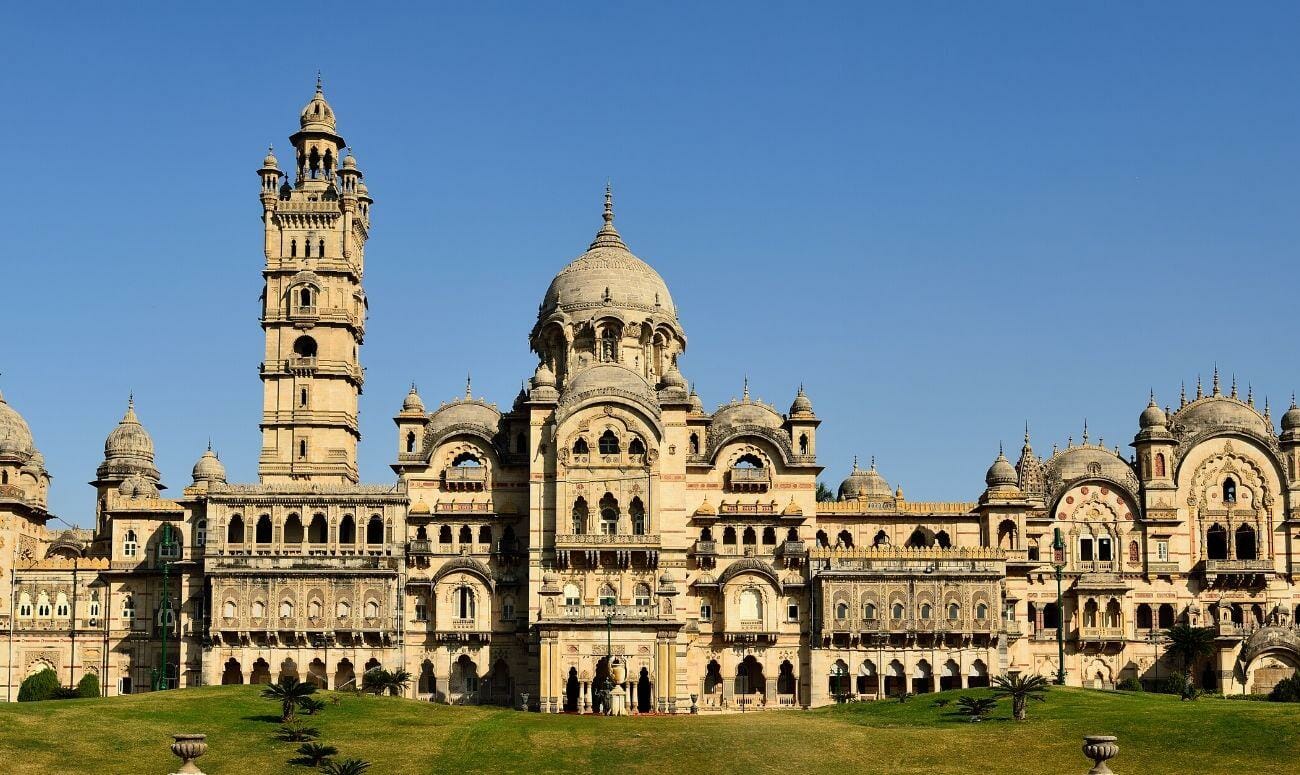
(706, 612)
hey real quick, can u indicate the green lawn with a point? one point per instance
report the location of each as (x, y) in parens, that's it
(1157, 734)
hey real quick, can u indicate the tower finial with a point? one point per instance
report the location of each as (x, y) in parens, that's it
(1152, 399)
(1215, 386)
(209, 443)
(855, 462)
(873, 462)
(318, 83)
(1250, 394)
(1026, 433)
(1000, 452)
(745, 394)
(1267, 416)
(468, 383)
(1085, 430)
(609, 202)
(130, 400)
(1234, 385)
(1182, 394)
(1199, 392)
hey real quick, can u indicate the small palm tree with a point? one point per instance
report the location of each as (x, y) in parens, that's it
(294, 731)
(315, 754)
(1021, 689)
(977, 708)
(289, 692)
(345, 767)
(376, 680)
(311, 706)
(398, 680)
(1189, 645)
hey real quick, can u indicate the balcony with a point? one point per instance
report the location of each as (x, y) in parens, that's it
(613, 549)
(600, 613)
(794, 549)
(301, 365)
(1238, 571)
(419, 548)
(1162, 568)
(1102, 634)
(300, 313)
(749, 480)
(464, 478)
(705, 549)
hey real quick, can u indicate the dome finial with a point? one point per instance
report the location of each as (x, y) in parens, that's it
(468, 383)
(209, 443)
(1000, 452)
(609, 202)
(1199, 393)
(1234, 385)
(1182, 394)
(1026, 433)
(319, 89)
(745, 393)
(873, 462)
(1250, 394)
(1151, 401)
(855, 462)
(1215, 387)
(1085, 430)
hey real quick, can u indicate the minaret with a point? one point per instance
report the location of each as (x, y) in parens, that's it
(313, 305)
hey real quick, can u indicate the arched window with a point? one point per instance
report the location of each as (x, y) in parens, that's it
(466, 535)
(769, 536)
(845, 539)
(841, 610)
(925, 611)
(321, 251)
(920, 538)
(230, 610)
(302, 449)
(1166, 616)
(375, 530)
(636, 447)
(942, 540)
(343, 610)
(347, 530)
(641, 595)
(94, 607)
(1160, 464)
(304, 347)
(286, 609)
(896, 612)
(954, 611)
(695, 444)
(304, 297)
(749, 461)
(609, 345)
(293, 530)
(607, 596)
(1134, 555)
(293, 248)
(4, 477)
(372, 609)
(1229, 490)
(318, 531)
(61, 605)
(130, 544)
(729, 536)
(580, 446)
(869, 612)
(608, 514)
(803, 444)
(201, 533)
(571, 595)
(259, 609)
(421, 533)
(749, 538)
(314, 609)
(580, 516)
(1143, 616)
(821, 539)
(608, 443)
(128, 609)
(410, 441)
(306, 248)
(467, 460)
(881, 539)
(521, 443)
(1216, 542)
(981, 612)
(444, 534)
(706, 534)
(751, 605)
(507, 608)
(636, 511)
(1245, 544)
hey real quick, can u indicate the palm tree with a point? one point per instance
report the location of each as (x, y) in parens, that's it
(978, 708)
(289, 692)
(315, 754)
(376, 680)
(398, 680)
(311, 706)
(1189, 645)
(1021, 689)
(296, 732)
(345, 767)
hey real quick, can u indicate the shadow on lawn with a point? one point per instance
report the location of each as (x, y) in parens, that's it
(265, 717)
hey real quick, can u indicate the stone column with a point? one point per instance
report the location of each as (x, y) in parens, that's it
(631, 693)
(584, 700)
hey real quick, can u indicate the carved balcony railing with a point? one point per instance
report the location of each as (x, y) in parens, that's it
(419, 548)
(1162, 568)
(749, 479)
(1248, 571)
(464, 478)
(597, 548)
(1102, 634)
(599, 613)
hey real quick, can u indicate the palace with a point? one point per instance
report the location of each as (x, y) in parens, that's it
(605, 516)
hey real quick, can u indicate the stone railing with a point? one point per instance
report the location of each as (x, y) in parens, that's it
(469, 474)
(601, 612)
(419, 547)
(611, 540)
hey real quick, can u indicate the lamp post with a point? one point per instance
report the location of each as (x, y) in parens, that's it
(608, 688)
(1058, 561)
(165, 548)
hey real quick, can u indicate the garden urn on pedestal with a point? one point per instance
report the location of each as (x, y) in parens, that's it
(1100, 748)
(617, 696)
(188, 748)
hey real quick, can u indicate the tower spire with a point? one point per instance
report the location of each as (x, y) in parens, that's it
(1182, 394)
(468, 384)
(1215, 387)
(745, 394)
(608, 236)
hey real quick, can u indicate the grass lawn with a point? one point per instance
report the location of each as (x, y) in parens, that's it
(1157, 734)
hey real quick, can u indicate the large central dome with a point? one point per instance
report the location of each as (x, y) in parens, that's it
(608, 276)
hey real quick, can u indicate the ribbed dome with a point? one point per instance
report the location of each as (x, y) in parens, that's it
(1291, 420)
(862, 485)
(136, 486)
(350, 161)
(128, 449)
(1153, 416)
(317, 115)
(673, 378)
(412, 404)
(464, 414)
(802, 404)
(609, 277)
(697, 406)
(1001, 473)
(543, 377)
(209, 468)
(1219, 412)
(15, 436)
(745, 412)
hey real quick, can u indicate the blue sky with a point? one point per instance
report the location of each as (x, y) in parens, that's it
(943, 219)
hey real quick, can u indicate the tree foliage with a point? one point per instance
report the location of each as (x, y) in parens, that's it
(315, 754)
(88, 686)
(378, 681)
(1286, 690)
(43, 685)
(1021, 689)
(288, 692)
(1187, 647)
(345, 767)
(977, 708)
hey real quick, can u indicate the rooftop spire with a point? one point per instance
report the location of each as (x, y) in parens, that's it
(1182, 394)
(608, 236)
(1250, 394)
(319, 90)
(1085, 430)
(1234, 385)
(1215, 388)
(873, 462)
(468, 383)
(855, 462)
(745, 394)
(1199, 393)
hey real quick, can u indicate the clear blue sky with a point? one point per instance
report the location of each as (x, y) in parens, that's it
(944, 219)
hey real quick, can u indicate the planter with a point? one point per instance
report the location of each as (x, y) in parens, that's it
(188, 748)
(1100, 748)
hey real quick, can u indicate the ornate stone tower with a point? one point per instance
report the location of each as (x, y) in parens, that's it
(313, 305)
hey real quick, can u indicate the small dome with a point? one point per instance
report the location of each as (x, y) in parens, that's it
(1153, 416)
(862, 485)
(350, 161)
(673, 378)
(1001, 473)
(270, 162)
(420, 507)
(464, 415)
(543, 377)
(412, 403)
(1218, 412)
(136, 486)
(697, 406)
(15, 436)
(802, 404)
(317, 114)
(666, 579)
(209, 468)
(1291, 420)
(129, 439)
(609, 379)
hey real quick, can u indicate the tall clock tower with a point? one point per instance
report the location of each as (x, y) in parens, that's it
(317, 219)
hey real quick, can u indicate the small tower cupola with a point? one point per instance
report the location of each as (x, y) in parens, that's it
(317, 143)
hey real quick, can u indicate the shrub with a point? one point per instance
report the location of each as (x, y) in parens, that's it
(39, 686)
(294, 731)
(1129, 684)
(66, 693)
(1286, 690)
(1174, 683)
(310, 706)
(976, 708)
(345, 767)
(315, 754)
(88, 686)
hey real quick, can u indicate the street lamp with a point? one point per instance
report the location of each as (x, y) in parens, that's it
(608, 688)
(166, 549)
(1058, 561)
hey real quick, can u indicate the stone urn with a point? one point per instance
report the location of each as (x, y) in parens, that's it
(524, 695)
(1100, 748)
(188, 748)
(618, 671)
(694, 708)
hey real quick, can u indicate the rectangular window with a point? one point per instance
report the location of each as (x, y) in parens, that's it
(1085, 549)
(792, 612)
(508, 610)
(706, 612)
(421, 611)
(1162, 551)
(124, 685)
(1103, 549)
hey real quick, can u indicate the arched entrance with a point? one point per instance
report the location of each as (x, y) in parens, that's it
(464, 681)
(712, 684)
(751, 686)
(643, 700)
(572, 690)
(895, 680)
(787, 686)
(1265, 670)
(598, 696)
(233, 674)
(316, 674)
(500, 689)
(345, 676)
(427, 685)
(261, 672)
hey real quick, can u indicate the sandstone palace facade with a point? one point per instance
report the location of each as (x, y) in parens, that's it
(604, 509)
